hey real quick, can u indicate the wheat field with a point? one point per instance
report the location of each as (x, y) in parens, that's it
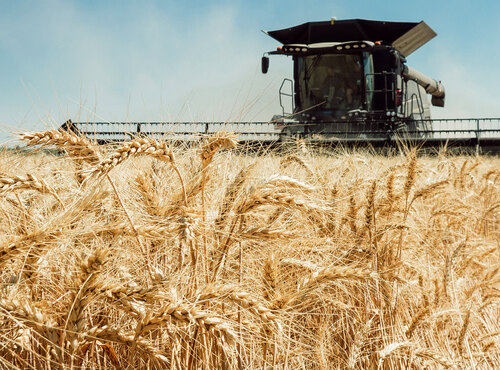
(149, 255)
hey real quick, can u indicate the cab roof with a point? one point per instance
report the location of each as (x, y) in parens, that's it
(406, 37)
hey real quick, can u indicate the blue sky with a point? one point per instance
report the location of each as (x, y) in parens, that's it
(200, 60)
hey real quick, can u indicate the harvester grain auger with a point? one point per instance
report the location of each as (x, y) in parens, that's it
(351, 84)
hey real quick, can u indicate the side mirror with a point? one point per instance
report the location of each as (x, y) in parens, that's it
(265, 64)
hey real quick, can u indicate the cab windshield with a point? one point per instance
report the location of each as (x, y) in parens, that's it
(335, 82)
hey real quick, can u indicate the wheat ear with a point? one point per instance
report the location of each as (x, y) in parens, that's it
(272, 196)
(78, 147)
(84, 285)
(117, 335)
(357, 345)
(295, 159)
(432, 355)
(30, 182)
(231, 192)
(416, 320)
(189, 314)
(140, 146)
(269, 277)
(388, 350)
(463, 331)
(411, 173)
(220, 140)
(32, 317)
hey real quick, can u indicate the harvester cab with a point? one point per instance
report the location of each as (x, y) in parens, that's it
(350, 78)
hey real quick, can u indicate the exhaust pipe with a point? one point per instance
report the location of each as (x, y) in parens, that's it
(431, 86)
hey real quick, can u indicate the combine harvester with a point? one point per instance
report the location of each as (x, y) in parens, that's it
(351, 86)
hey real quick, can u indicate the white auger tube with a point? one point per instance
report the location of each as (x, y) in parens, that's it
(431, 86)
